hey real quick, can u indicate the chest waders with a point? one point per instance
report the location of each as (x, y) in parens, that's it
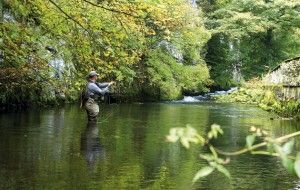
(90, 104)
(92, 109)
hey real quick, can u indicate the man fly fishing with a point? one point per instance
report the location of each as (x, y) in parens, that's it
(92, 93)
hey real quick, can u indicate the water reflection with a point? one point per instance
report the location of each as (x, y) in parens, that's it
(91, 148)
(56, 149)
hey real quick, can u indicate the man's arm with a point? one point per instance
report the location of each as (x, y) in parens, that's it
(95, 89)
(103, 85)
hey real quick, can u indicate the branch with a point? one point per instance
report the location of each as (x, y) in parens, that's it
(122, 25)
(111, 10)
(68, 16)
(271, 154)
(280, 139)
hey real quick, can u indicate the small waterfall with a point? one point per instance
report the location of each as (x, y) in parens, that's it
(297, 186)
(189, 99)
(205, 97)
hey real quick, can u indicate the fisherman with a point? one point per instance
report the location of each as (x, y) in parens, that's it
(93, 91)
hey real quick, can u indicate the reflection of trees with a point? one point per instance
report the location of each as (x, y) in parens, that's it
(248, 171)
(139, 156)
(168, 165)
(35, 147)
(57, 145)
(229, 116)
(159, 165)
(277, 127)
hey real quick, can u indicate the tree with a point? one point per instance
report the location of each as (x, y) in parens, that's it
(261, 30)
(116, 38)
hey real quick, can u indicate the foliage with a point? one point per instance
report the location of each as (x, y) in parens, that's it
(281, 147)
(170, 77)
(241, 18)
(253, 35)
(284, 108)
(25, 74)
(122, 41)
(115, 38)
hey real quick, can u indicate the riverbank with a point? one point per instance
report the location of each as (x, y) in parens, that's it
(255, 93)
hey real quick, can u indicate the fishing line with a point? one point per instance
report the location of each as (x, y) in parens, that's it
(106, 117)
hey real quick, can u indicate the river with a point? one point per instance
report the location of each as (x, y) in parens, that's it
(55, 149)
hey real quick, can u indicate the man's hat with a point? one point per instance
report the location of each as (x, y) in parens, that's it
(92, 73)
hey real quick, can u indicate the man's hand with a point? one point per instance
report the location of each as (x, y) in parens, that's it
(111, 83)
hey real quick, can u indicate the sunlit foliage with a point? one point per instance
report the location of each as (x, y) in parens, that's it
(115, 38)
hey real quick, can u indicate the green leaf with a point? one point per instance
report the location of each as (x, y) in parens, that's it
(210, 135)
(184, 141)
(270, 148)
(278, 149)
(297, 167)
(173, 137)
(287, 148)
(214, 153)
(298, 156)
(205, 171)
(250, 139)
(288, 164)
(213, 133)
(223, 170)
(207, 157)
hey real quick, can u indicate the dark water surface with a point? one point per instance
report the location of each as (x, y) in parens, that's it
(55, 149)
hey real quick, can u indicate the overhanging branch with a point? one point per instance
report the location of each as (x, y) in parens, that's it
(68, 16)
(254, 147)
(111, 10)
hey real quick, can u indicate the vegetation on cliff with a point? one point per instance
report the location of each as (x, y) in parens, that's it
(155, 50)
(121, 40)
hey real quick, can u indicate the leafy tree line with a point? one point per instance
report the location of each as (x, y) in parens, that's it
(132, 42)
(250, 37)
(155, 50)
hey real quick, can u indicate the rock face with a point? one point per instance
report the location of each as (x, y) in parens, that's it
(172, 49)
(193, 3)
(286, 75)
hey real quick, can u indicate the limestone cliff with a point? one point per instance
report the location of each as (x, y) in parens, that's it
(286, 74)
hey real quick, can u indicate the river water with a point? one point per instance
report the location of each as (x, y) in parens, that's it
(55, 149)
